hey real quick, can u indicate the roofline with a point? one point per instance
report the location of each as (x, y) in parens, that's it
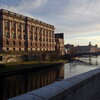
(14, 13)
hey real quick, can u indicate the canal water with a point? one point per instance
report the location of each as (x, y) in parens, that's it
(81, 65)
(22, 82)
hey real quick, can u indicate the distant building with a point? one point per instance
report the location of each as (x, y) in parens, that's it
(85, 49)
(98, 50)
(59, 40)
(69, 48)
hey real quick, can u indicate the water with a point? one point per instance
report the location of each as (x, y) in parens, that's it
(83, 64)
(22, 82)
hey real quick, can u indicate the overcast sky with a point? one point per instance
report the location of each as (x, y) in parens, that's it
(79, 20)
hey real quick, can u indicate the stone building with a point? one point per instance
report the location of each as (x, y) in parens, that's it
(59, 39)
(86, 49)
(21, 33)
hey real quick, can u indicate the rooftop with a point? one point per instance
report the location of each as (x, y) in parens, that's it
(4, 11)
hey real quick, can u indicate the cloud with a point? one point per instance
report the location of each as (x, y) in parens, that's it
(73, 17)
(25, 7)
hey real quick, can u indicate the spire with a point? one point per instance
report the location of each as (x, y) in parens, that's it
(90, 44)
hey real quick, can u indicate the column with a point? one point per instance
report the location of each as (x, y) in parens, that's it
(48, 39)
(10, 29)
(3, 30)
(51, 40)
(45, 39)
(42, 38)
(38, 33)
(28, 39)
(22, 32)
(33, 32)
(16, 30)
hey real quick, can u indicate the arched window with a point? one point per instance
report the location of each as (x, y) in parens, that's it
(7, 49)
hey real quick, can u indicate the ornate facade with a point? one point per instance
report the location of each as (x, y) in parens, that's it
(20, 33)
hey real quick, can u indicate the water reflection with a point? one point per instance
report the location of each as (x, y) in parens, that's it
(30, 80)
(23, 82)
(82, 65)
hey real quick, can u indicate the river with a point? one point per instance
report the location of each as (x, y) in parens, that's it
(17, 84)
(81, 65)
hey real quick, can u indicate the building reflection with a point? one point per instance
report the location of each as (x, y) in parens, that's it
(21, 83)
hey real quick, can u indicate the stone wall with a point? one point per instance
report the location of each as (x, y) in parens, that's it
(85, 86)
(17, 58)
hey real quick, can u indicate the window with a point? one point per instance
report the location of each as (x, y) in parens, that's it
(14, 49)
(19, 49)
(7, 23)
(30, 43)
(24, 36)
(23, 28)
(19, 27)
(19, 43)
(7, 42)
(19, 36)
(14, 43)
(13, 35)
(25, 43)
(0, 58)
(7, 35)
(7, 49)
(14, 25)
(31, 37)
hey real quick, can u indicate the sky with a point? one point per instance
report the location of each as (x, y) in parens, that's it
(79, 20)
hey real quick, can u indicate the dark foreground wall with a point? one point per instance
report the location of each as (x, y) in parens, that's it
(85, 86)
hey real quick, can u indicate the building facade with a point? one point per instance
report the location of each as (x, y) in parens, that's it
(59, 40)
(70, 49)
(20, 33)
(86, 49)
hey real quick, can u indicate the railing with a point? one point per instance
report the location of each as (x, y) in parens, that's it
(85, 86)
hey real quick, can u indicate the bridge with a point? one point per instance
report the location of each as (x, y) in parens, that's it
(68, 56)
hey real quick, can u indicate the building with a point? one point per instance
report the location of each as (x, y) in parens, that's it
(21, 33)
(69, 48)
(86, 49)
(59, 40)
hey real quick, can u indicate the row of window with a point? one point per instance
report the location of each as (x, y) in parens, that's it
(31, 37)
(14, 43)
(25, 43)
(7, 35)
(14, 49)
(31, 28)
(25, 49)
